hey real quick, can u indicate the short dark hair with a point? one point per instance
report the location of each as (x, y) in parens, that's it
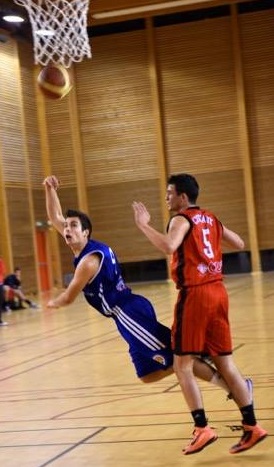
(84, 219)
(185, 183)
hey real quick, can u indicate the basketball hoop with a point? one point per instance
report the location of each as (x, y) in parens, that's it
(59, 30)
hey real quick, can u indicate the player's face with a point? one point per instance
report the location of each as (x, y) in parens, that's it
(73, 233)
(174, 201)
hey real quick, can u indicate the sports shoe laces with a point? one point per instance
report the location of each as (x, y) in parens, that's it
(246, 436)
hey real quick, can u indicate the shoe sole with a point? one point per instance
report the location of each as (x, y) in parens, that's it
(210, 441)
(249, 447)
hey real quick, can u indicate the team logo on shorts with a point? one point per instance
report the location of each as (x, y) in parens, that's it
(160, 359)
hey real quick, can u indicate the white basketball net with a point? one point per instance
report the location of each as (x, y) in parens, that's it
(59, 30)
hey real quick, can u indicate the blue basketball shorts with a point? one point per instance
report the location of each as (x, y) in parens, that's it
(149, 341)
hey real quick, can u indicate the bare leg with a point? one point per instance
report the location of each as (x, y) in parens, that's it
(206, 372)
(183, 367)
(235, 381)
(201, 369)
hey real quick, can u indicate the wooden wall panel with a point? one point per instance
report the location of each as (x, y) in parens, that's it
(66, 256)
(60, 140)
(11, 134)
(68, 198)
(119, 140)
(39, 204)
(35, 169)
(201, 114)
(112, 218)
(224, 194)
(15, 167)
(22, 236)
(263, 185)
(258, 57)
(5, 242)
(115, 109)
(199, 96)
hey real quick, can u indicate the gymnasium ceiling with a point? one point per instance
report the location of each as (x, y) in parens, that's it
(108, 11)
(120, 10)
(112, 11)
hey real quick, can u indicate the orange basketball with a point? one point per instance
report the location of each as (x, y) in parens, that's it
(54, 81)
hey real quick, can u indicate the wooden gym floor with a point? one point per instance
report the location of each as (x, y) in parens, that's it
(69, 396)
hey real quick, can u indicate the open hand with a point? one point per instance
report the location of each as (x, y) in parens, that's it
(141, 214)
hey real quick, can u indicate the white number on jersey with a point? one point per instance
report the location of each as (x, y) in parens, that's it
(208, 248)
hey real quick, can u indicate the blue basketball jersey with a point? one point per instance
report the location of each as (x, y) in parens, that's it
(135, 318)
(107, 288)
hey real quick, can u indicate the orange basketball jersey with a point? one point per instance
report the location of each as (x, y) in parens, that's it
(198, 259)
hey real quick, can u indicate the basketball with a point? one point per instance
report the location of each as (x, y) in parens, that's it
(54, 81)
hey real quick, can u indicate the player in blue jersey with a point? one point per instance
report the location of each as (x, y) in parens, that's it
(98, 275)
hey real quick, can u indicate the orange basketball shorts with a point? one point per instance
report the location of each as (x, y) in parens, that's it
(201, 322)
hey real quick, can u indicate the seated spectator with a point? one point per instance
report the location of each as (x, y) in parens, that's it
(13, 290)
(2, 274)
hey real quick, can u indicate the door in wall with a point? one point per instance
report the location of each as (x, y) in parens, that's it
(42, 252)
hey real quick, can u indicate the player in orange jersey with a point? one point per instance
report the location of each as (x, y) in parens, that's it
(201, 322)
(98, 275)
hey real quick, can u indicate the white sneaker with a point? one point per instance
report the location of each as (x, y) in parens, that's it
(3, 323)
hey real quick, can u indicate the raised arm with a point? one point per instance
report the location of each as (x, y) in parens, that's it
(167, 243)
(53, 206)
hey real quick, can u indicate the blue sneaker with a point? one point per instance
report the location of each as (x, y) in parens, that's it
(249, 384)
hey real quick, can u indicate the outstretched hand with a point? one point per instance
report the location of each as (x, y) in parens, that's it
(141, 214)
(52, 182)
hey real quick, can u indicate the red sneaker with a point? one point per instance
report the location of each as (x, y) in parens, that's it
(251, 436)
(202, 437)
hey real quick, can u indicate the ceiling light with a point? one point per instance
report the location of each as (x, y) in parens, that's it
(13, 19)
(146, 8)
